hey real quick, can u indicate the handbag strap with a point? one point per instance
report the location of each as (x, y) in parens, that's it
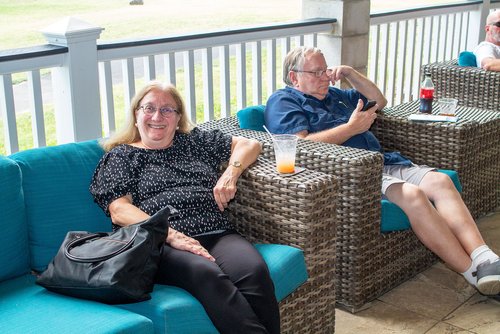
(81, 240)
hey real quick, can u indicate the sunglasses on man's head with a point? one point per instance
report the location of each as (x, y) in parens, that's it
(496, 24)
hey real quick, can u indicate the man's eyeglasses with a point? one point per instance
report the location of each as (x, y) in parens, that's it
(496, 24)
(317, 74)
(164, 111)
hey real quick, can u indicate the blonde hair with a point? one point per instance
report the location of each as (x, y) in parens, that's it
(294, 61)
(129, 133)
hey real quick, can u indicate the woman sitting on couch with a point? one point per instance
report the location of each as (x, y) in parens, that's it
(158, 160)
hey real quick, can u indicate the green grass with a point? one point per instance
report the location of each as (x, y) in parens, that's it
(22, 21)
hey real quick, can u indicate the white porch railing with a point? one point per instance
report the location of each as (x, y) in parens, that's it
(191, 62)
(218, 72)
(401, 42)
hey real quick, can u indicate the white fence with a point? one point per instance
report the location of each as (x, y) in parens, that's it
(217, 72)
(401, 42)
(83, 90)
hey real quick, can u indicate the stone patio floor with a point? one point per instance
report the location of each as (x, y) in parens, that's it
(436, 301)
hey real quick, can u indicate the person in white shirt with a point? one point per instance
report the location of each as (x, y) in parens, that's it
(488, 52)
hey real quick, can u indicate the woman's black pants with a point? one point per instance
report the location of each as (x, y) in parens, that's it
(236, 291)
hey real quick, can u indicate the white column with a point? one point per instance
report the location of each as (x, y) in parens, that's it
(347, 44)
(76, 83)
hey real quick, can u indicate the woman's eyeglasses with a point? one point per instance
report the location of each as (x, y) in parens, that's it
(149, 110)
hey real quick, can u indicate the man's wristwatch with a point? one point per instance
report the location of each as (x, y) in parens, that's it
(236, 164)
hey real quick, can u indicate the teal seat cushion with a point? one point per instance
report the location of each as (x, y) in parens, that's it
(251, 118)
(394, 219)
(56, 190)
(287, 267)
(173, 310)
(14, 259)
(28, 308)
(467, 58)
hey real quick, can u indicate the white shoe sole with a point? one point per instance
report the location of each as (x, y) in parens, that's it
(489, 285)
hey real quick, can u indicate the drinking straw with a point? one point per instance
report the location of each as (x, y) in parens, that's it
(272, 137)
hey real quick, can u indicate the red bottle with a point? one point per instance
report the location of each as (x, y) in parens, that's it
(426, 95)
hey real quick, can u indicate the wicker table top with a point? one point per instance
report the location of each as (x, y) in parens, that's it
(466, 115)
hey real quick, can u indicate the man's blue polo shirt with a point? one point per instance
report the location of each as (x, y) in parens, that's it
(288, 110)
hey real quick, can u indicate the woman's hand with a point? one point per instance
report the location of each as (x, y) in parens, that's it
(181, 241)
(225, 189)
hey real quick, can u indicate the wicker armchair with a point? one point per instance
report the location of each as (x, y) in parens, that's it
(472, 86)
(368, 263)
(297, 211)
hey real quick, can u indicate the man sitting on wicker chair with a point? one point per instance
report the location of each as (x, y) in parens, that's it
(312, 109)
(488, 51)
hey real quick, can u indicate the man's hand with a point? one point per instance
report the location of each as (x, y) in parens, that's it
(181, 241)
(339, 73)
(491, 64)
(361, 121)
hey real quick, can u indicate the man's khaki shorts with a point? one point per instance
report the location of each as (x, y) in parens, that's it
(393, 174)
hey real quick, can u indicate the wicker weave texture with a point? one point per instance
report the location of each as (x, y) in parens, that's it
(471, 147)
(297, 211)
(472, 86)
(368, 263)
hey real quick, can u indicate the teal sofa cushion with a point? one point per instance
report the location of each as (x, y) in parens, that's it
(173, 310)
(394, 219)
(28, 308)
(467, 58)
(56, 190)
(14, 259)
(251, 118)
(286, 265)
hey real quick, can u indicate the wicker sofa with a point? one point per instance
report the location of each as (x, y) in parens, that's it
(368, 262)
(472, 86)
(45, 194)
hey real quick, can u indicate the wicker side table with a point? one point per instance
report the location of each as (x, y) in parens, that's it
(297, 210)
(470, 146)
(472, 86)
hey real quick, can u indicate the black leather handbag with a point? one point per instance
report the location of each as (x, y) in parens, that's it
(114, 268)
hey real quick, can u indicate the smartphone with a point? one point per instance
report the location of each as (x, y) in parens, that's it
(368, 105)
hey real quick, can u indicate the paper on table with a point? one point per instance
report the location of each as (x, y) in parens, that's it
(432, 118)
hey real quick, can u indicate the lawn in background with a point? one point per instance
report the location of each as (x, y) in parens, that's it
(22, 21)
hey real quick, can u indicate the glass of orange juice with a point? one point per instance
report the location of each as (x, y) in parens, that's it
(285, 147)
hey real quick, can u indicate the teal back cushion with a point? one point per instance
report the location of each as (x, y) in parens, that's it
(251, 118)
(467, 58)
(56, 190)
(14, 259)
